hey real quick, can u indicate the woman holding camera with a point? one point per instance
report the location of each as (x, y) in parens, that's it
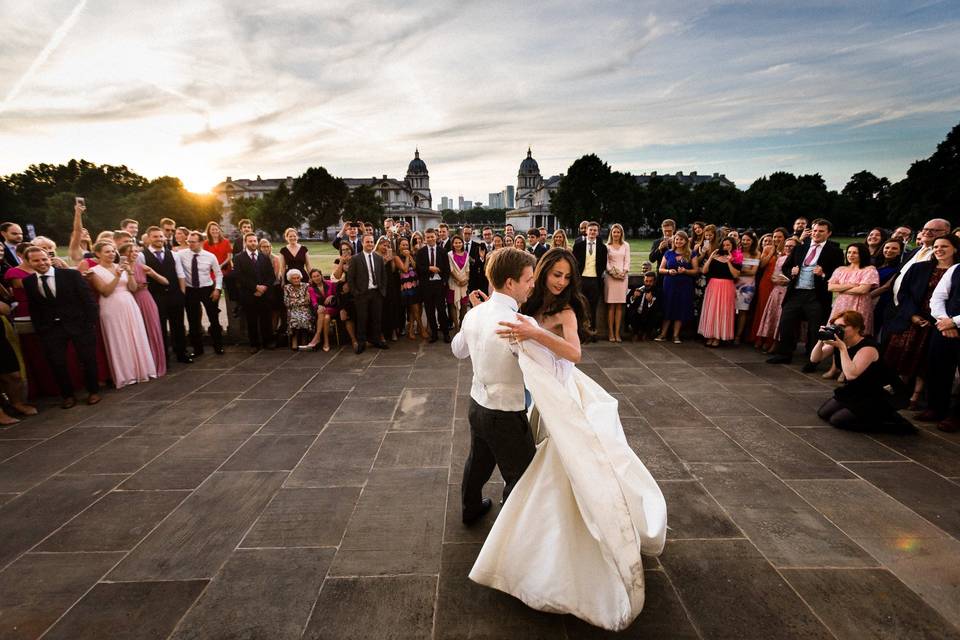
(718, 317)
(861, 402)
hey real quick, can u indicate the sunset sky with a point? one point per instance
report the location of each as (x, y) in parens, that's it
(206, 89)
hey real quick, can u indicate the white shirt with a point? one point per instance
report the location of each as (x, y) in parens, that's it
(938, 299)
(432, 253)
(497, 380)
(368, 259)
(141, 258)
(206, 262)
(922, 255)
(51, 282)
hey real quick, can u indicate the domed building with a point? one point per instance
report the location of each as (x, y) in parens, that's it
(408, 199)
(533, 197)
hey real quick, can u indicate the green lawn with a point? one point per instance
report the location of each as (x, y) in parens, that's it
(322, 254)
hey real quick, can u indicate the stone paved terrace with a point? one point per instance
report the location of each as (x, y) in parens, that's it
(316, 495)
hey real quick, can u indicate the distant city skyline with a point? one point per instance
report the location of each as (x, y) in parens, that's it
(742, 88)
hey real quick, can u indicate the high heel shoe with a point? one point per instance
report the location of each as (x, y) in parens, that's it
(309, 347)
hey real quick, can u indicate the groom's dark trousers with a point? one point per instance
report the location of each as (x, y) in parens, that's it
(497, 439)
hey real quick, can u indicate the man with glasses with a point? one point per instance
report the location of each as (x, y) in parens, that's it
(936, 228)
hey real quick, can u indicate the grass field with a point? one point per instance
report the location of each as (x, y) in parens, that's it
(322, 254)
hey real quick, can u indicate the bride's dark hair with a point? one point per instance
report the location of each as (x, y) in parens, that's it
(537, 303)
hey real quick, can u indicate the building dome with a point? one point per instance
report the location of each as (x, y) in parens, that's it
(417, 165)
(529, 165)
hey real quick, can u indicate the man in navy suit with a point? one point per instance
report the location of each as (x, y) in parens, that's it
(63, 311)
(255, 276)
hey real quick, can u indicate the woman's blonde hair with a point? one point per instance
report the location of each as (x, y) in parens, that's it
(615, 225)
(686, 252)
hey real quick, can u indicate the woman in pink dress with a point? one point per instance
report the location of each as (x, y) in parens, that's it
(718, 316)
(768, 330)
(853, 284)
(124, 334)
(148, 307)
(615, 281)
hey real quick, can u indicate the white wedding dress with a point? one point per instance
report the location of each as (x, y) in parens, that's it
(570, 537)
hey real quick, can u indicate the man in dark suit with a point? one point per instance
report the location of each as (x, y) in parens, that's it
(535, 247)
(470, 245)
(809, 268)
(433, 271)
(350, 233)
(254, 277)
(660, 246)
(12, 236)
(443, 237)
(591, 255)
(169, 297)
(63, 311)
(367, 279)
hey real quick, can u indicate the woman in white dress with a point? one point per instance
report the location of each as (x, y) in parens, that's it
(570, 538)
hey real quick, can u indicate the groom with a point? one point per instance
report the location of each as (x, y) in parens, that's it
(499, 431)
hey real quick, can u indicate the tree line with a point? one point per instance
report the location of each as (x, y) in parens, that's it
(931, 188)
(43, 195)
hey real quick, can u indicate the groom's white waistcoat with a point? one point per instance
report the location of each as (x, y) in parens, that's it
(497, 379)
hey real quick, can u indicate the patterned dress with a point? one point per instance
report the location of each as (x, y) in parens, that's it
(746, 286)
(862, 303)
(296, 298)
(907, 352)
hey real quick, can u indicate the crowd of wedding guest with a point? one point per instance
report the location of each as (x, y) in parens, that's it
(117, 306)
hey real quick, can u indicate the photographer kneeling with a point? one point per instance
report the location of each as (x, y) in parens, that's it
(863, 402)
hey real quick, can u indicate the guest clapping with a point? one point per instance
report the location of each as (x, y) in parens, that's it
(124, 334)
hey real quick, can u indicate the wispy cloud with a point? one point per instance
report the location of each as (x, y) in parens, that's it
(44, 54)
(741, 87)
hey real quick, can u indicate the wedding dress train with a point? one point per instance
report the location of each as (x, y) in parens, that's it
(570, 538)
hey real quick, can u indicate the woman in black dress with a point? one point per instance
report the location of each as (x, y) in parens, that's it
(862, 402)
(392, 317)
(294, 255)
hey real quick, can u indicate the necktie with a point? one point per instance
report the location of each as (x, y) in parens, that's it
(373, 273)
(47, 292)
(195, 275)
(431, 258)
(811, 255)
(591, 248)
(253, 256)
(159, 254)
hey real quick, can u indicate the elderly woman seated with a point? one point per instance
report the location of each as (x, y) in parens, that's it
(865, 401)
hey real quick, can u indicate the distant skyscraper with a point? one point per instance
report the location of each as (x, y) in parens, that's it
(465, 204)
(495, 200)
(446, 203)
(508, 195)
(460, 203)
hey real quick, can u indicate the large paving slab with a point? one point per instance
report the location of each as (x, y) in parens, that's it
(317, 495)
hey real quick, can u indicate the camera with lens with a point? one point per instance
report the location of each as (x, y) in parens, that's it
(831, 332)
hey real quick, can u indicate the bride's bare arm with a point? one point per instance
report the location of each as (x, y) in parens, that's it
(566, 346)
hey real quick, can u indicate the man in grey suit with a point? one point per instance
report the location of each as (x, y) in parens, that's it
(367, 279)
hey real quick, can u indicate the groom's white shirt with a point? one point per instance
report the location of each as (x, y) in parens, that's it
(497, 379)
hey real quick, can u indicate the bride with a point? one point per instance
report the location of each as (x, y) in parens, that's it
(570, 538)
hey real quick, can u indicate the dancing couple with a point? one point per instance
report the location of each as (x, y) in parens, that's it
(582, 507)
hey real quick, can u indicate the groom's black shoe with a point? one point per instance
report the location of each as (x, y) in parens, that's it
(470, 518)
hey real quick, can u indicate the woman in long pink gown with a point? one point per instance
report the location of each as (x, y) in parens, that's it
(148, 307)
(124, 334)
